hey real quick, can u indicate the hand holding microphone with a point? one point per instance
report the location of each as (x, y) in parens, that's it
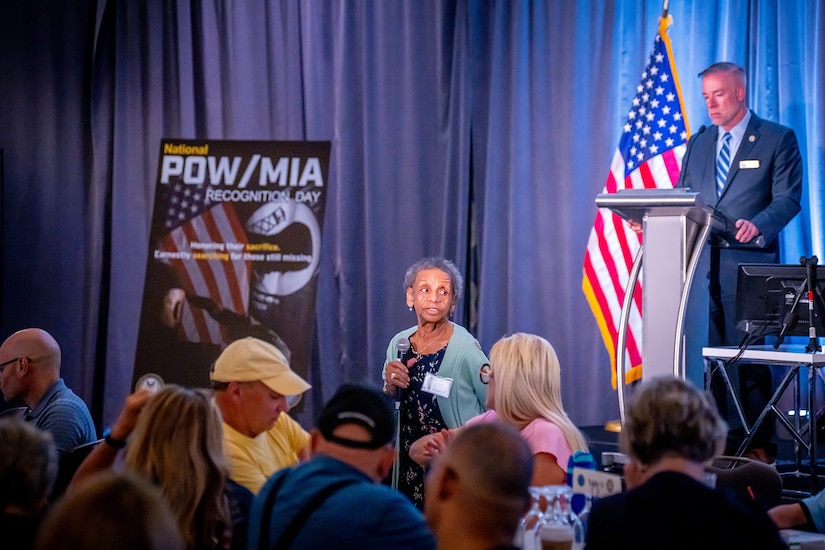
(396, 373)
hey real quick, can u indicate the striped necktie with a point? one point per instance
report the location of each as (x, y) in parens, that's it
(723, 164)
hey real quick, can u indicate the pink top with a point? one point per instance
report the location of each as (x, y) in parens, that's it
(542, 435)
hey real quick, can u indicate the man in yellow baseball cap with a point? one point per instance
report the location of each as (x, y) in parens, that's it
(253, 383)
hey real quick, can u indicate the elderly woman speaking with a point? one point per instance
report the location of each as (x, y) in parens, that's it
(438, 380)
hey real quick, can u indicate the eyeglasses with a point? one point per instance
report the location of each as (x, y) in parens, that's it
(9, 362)
(485, 374)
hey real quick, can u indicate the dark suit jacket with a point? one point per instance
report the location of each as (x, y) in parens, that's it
(674, 511)
(764, 186)
(769, 193)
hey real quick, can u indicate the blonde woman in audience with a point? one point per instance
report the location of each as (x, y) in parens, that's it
(177, 445)
(524, 392)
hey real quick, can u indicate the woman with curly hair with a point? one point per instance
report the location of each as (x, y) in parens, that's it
(436, 381)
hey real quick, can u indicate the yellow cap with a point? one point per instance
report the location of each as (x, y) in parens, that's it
(250, 359)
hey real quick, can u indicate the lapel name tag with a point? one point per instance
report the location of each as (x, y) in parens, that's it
(745, 164)
(437, 385)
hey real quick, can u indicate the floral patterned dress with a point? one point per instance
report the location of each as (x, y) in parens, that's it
(420, 416)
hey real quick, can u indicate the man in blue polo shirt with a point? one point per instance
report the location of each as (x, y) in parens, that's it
(336, 500)
(30, 372)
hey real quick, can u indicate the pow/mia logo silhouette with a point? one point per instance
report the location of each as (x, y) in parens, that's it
(149, 381)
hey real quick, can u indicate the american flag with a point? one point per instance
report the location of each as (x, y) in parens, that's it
(225, 282)
(649, 155)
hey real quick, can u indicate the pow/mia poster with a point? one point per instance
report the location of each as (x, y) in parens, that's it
(234, 251)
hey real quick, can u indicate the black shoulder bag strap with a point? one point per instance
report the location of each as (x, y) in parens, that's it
(293, 527)
(266, 512)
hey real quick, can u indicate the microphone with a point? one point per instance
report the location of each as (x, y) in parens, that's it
(402, 346)
(685, 159)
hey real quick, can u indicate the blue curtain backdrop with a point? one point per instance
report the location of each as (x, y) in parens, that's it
(480, 130)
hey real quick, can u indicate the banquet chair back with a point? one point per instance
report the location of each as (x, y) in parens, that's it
(748, 478)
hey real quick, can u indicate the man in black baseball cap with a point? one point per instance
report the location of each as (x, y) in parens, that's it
(337, 500)
(355, 406)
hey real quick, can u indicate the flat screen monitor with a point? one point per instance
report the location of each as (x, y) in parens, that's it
(765, 294)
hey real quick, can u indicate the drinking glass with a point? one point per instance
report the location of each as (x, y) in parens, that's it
(525, 534)
(559, 528)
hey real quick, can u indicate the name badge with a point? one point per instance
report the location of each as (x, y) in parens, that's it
(437, 385)
(745, 164)
(595, 483)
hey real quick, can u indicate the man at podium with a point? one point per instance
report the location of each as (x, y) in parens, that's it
(750, 170)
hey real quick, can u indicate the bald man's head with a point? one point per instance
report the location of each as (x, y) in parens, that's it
(480, 483)
(30, 360)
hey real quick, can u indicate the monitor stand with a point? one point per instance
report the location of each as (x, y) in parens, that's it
(810, 288)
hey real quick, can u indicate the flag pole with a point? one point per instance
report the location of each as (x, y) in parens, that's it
(606, 266)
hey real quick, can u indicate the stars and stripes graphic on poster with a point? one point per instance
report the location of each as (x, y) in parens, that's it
(649, 155)
(209, 274)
